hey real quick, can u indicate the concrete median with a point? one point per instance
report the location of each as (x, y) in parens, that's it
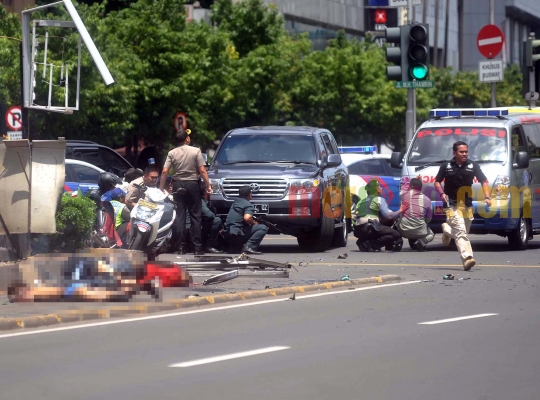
(140, 309)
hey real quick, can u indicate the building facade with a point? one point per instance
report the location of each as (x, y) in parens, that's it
(16, 6)
(454, 24)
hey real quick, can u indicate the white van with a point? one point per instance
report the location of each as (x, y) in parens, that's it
(506, 144)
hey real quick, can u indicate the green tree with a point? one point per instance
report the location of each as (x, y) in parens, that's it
(249, 23)
(10, 39)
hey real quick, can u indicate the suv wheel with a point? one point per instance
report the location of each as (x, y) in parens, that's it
(340, 235)
(318, 239)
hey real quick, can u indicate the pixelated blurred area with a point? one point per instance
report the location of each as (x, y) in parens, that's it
(93, 275)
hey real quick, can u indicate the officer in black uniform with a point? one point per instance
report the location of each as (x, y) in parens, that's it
(458, 175)
(240, 228)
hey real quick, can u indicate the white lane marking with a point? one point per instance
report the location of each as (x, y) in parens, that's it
(228, 357)
(204, 310)
(493, 40)
(442, 321)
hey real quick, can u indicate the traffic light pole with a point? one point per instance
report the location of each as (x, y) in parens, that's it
(410, 116)
(493, 84)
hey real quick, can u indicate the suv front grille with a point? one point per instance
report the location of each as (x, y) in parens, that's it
(262, 188)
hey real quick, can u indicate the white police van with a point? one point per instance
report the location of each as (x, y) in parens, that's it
(506, 144)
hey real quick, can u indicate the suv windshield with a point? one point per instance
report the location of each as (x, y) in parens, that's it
(262, 148)
(435, 144)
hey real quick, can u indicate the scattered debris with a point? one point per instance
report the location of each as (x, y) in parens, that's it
(192, 296)
(303, 264)
(343, 256)
(346, 278)
(267, 287)
(428, 280)
(448, 277)
(463, 279)
(293, 297)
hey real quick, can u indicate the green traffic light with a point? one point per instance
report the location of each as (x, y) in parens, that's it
(419, 71)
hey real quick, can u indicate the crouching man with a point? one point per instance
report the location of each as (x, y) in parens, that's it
(414, 222)
(240, 227)
(371, 233)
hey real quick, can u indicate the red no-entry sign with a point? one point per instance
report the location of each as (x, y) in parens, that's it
(490, 41)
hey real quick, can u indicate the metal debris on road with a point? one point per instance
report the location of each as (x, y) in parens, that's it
(293, 297)
(233, 267)
(342, 256)
(346, 278)
(448, 277)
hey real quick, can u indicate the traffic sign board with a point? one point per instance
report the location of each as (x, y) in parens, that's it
(414, 84)
(490, 41)
(391, 3)
(17, 135)
(14, 118)
(491, 71)
(180, 120)
(402, 3)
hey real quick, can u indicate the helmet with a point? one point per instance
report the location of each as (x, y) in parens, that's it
(108, 181)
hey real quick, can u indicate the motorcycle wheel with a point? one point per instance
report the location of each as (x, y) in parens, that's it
(135, 243)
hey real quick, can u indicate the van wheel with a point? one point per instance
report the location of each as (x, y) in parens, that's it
(518, 239)
(318, 239)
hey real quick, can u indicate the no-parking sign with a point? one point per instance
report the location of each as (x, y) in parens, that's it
(14, 118)
(180, 120)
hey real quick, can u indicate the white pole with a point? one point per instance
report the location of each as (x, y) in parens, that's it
(492, 22)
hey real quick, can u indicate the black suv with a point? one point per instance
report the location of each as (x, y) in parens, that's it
(298, 181)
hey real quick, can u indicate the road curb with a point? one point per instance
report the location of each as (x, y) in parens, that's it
(140, 309)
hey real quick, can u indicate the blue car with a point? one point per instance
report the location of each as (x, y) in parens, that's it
(80, 174)
(364, 164)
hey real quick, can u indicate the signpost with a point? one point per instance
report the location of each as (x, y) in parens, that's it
(14, 118)
(490, 41)
(491, 71)
(180, 120)
(17, 135)
(414, 84)
(403, 3)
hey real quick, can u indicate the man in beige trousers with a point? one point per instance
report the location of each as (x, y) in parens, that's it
(458, 175)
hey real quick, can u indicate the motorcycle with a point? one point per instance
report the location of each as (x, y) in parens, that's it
(151, 223)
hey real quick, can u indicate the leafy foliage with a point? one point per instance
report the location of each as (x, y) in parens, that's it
(244, 70)
(74, 221)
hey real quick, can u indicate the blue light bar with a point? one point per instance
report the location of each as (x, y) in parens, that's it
(471, 112)
(357, 149)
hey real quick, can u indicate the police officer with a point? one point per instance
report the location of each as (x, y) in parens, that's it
(188, 165)
(240, 228)
(149, 178)
(459, 173)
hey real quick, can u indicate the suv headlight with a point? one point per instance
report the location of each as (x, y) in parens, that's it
(303, 186)
(216, 186)
(145, 213)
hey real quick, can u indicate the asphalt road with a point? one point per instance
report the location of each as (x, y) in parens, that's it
(363, 343)
(494, 260)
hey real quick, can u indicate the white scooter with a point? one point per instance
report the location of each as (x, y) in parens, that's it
(151, 223)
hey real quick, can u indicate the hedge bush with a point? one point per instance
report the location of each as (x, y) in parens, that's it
(74, 221)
